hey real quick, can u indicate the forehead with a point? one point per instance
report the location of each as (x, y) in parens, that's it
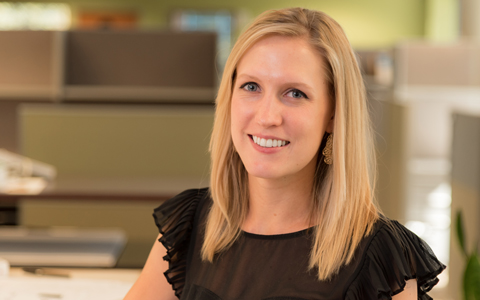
(278, 56)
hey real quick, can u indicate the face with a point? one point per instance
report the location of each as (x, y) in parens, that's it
(280, 108)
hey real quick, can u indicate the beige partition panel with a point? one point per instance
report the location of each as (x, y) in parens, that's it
(119, 141)
(465, 192)
(425, 63)
(389, 124)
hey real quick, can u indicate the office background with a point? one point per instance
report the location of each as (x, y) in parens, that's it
(120, 152)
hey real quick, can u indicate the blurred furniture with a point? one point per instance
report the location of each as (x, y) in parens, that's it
(92, 203)
(102, 66)
(124, 116)
(435, 80)
(61, 247)
(115, 164)
(101, 284)
(137, 66)
(465, 178)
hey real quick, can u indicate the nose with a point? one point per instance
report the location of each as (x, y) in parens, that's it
(269, 111)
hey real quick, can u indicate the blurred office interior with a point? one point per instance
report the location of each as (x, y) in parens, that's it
(118, 96)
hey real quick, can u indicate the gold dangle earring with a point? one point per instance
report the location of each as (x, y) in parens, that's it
(327, 151)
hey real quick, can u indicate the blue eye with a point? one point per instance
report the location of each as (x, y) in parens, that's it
(250, 86)
(297, 94)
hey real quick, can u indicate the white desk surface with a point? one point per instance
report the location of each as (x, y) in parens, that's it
(82, 284)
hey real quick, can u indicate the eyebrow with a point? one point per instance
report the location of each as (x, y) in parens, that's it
(248, 76)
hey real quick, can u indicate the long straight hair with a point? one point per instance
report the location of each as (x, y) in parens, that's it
(342, 195)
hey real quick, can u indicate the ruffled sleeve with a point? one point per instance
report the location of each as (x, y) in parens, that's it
(394, 255)
(175, 221)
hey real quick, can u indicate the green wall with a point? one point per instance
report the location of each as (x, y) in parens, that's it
(368, 23)
(442, 20)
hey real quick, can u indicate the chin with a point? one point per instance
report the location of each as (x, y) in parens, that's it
(264, 172)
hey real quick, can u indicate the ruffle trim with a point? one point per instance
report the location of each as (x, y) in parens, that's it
(174, 219)
(395, 255)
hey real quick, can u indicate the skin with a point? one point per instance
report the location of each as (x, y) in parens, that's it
(152, 284)
(280, 93)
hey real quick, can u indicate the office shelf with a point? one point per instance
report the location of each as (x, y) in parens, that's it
(29, 93)
(107, 66)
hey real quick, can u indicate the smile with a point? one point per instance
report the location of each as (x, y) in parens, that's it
(268, 143)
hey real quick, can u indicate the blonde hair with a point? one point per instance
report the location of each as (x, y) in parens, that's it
(342, 194)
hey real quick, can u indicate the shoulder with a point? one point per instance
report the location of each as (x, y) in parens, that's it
(186, 197)
(180, 207)
(392, 254)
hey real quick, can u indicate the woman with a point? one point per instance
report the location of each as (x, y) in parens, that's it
(290, 213)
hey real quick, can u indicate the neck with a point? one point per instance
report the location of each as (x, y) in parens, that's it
(278, 206)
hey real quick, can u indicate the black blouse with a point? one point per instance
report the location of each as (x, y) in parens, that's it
(275, 267)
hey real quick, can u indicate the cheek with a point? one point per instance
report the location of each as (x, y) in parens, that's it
(240, 114)
(313, 131)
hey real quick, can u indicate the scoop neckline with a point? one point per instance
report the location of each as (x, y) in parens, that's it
(281, 236)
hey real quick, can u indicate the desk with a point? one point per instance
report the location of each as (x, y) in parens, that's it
(100, 203)
(92, 284)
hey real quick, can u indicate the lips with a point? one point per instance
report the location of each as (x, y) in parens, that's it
(268, 143)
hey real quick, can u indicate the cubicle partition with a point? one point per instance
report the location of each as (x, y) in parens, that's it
(139, 66)
(434, 81)
(124, 116)
(102, 66)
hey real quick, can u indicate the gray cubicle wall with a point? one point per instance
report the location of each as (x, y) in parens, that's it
(140, 66)
(124, 58)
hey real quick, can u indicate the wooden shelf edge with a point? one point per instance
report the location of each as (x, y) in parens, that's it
(149, 94)
(28, 93)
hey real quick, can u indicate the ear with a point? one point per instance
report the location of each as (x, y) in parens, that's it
(330, 123)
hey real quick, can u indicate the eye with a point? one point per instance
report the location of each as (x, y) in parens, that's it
(296, 94)
(250, 86)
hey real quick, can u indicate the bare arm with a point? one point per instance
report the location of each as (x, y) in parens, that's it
(152, 284)
(409, 293)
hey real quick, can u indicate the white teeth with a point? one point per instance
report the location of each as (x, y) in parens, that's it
(268, 143)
